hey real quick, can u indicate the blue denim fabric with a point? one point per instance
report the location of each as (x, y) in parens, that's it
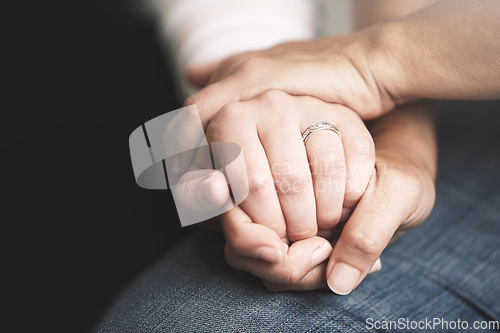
(447, 268)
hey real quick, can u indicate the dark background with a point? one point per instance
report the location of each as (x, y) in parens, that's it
(82, 76)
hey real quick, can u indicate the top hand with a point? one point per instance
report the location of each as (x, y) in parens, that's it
(374, 69)
(334, 69)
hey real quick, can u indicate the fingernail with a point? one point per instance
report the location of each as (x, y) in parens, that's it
(343, 278)
(321, 254)
(270, 254)
(377, 266)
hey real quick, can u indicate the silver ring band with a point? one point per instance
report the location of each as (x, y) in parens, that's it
(318, 126)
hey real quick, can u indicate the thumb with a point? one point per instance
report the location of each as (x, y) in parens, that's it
(200, 74)
(368, 231)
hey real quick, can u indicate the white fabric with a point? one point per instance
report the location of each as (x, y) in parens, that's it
(202, 31)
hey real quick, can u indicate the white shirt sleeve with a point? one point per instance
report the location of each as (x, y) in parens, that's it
(202, 31)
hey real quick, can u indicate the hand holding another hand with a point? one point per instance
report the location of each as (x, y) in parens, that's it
(400, 196)
(295, 189)
(335, 69)
(400, 193)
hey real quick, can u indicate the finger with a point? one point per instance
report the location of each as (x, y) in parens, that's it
(326, 158)
(200, 74)
(301, 258)
(241, 86)
(292, 178)
(183, 141)
(314, 280)
(232, 124)
(359, 151)
(365, 235)
(245, 239)
(213, 97)
(202, 190)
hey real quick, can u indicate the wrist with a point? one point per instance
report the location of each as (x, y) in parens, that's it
(377, 73)
(387, 42)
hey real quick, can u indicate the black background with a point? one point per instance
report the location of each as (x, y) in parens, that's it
(81, 76)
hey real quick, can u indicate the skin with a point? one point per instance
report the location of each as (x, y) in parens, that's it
(400, 193)
(453, 44)
(400, 196)
(304, 185)
(295, 189)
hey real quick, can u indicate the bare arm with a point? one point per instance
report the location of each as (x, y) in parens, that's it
(450, 49)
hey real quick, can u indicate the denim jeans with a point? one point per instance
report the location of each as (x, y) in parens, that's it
(447, 269)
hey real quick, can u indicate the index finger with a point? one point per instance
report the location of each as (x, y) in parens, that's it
(213, 97)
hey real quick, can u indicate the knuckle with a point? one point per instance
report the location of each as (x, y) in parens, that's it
(273, 95)
(366, 243)
(188, 117)
(191, 100)
(224, 120)
(257, 182)
(253, 64)
(235, 235)
(274, 99)
(230, 111)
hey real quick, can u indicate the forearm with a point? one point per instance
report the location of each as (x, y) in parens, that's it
(369, 12)
(449, 50)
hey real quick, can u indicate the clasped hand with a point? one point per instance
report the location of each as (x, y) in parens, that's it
(287, 231)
